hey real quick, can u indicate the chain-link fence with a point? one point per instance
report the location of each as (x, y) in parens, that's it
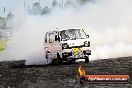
(3, 41)
(2, 45)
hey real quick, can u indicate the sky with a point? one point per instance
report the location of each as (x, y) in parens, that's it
(12, 5)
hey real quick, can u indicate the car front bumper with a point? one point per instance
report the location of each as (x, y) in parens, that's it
(81, 54)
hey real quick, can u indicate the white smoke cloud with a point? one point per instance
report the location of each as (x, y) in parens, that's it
(107, 22)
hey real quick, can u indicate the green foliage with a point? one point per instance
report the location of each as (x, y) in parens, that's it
(1, 46)
(2, 22)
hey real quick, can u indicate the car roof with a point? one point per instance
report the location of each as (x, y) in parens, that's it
(61, 30)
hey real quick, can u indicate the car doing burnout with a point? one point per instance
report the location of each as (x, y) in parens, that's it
(67, 45)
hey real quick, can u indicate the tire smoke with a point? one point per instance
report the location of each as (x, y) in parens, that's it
(107, 22)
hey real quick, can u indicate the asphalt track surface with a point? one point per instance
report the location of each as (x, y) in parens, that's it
(17, 75)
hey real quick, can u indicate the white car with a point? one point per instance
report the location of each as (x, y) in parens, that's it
(67, 44)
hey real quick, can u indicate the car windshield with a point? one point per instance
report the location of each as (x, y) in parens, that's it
(72, 34)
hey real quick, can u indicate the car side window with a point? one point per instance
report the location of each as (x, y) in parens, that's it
(57, 37)
(51, 38)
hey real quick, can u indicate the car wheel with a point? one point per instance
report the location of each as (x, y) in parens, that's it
(47, 56)
(86, 59)
(57, 60)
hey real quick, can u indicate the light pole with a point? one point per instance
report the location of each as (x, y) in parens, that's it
(62, 3)
(4, 9)
(24, 3)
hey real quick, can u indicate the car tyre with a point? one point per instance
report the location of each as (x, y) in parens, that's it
(86, 59)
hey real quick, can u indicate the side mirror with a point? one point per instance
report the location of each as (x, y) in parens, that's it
(55, 37)
(87, 36)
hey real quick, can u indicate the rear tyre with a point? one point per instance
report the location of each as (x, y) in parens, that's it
(86, 59)
(58, 60)
(47, 56)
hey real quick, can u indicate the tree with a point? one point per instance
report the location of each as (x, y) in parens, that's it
(9, 20)
(81, 2)
(45, 10)
(36, 9)
(10, 16)
(69, 3)
(55, 3)
(2, 22)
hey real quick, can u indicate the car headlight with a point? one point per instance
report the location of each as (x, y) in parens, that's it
(87, 43)
(87, 52)
(64, 46)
